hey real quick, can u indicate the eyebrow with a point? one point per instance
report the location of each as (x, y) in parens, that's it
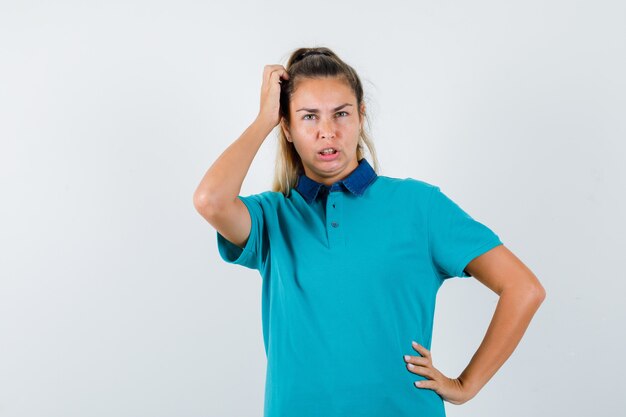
(315, 110)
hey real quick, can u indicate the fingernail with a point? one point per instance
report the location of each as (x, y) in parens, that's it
(411, 366)
(417, 383)
(414, 343)
(407, 357)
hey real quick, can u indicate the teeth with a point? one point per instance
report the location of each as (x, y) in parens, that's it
(327, 151)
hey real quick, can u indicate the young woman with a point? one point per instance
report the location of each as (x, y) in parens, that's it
(351, 261)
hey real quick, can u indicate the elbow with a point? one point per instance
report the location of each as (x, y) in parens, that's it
(535, 297)
(200, 201)
(204, 204)
(209, 203)
(534, 294)
(539, 293)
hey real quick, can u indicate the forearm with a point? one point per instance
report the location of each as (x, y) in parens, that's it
(223, 180)
(513, 313)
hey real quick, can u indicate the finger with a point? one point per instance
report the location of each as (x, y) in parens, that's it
(421, 370)
(272, 67)
(284, 73)
(426, 384)
(276, 75)
(416, 360)
(269, 70)
(421, 349)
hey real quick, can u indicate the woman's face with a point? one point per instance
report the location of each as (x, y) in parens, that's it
(324, 115)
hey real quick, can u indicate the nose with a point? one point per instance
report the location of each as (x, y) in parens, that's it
(327, 129)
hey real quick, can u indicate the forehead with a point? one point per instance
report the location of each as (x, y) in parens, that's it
(324, 92)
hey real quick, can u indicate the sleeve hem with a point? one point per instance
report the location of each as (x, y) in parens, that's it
(232, 253)
(460, 270)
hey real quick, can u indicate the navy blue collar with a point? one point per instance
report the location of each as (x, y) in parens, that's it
(356, 182)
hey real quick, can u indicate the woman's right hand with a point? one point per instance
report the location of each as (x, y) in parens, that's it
(270, 93)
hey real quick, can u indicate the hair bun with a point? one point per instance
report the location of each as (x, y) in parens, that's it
(310, 53)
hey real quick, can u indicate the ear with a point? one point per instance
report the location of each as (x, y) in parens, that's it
(283, 125)
(362, 113)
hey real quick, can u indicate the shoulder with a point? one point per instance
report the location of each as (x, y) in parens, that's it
(419, 189)
(266, 197)
(266, 200)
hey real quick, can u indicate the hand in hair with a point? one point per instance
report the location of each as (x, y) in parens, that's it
(270, 94)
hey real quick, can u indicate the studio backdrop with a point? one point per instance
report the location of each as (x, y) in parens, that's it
(113, 298)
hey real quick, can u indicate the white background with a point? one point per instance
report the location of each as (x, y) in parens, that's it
(113, 298)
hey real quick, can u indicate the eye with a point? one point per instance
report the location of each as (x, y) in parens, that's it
(343, 112)
(305, 116)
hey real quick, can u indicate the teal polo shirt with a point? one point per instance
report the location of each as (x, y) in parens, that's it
(350, 277)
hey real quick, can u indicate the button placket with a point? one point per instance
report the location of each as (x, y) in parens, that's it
(334, 219)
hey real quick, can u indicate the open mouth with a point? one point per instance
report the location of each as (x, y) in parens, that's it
(328, 155)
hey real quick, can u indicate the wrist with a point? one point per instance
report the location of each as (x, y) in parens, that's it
(471, 388)
(264, 123)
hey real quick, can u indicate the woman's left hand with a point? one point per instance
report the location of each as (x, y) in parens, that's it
(451, 390)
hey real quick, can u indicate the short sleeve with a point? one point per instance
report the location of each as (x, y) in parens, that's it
(251, 255)
(454, 237)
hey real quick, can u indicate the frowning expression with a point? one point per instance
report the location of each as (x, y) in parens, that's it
(324, 115)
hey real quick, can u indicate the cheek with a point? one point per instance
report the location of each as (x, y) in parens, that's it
(304, 129)
(302, 145)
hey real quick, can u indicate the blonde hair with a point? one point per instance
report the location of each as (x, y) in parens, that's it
(316, 62)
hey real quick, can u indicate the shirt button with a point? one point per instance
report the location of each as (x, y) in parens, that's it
(334, 224)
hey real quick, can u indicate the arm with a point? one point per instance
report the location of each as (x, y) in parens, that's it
(520, 293)
(223, 180)
(215, 197)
